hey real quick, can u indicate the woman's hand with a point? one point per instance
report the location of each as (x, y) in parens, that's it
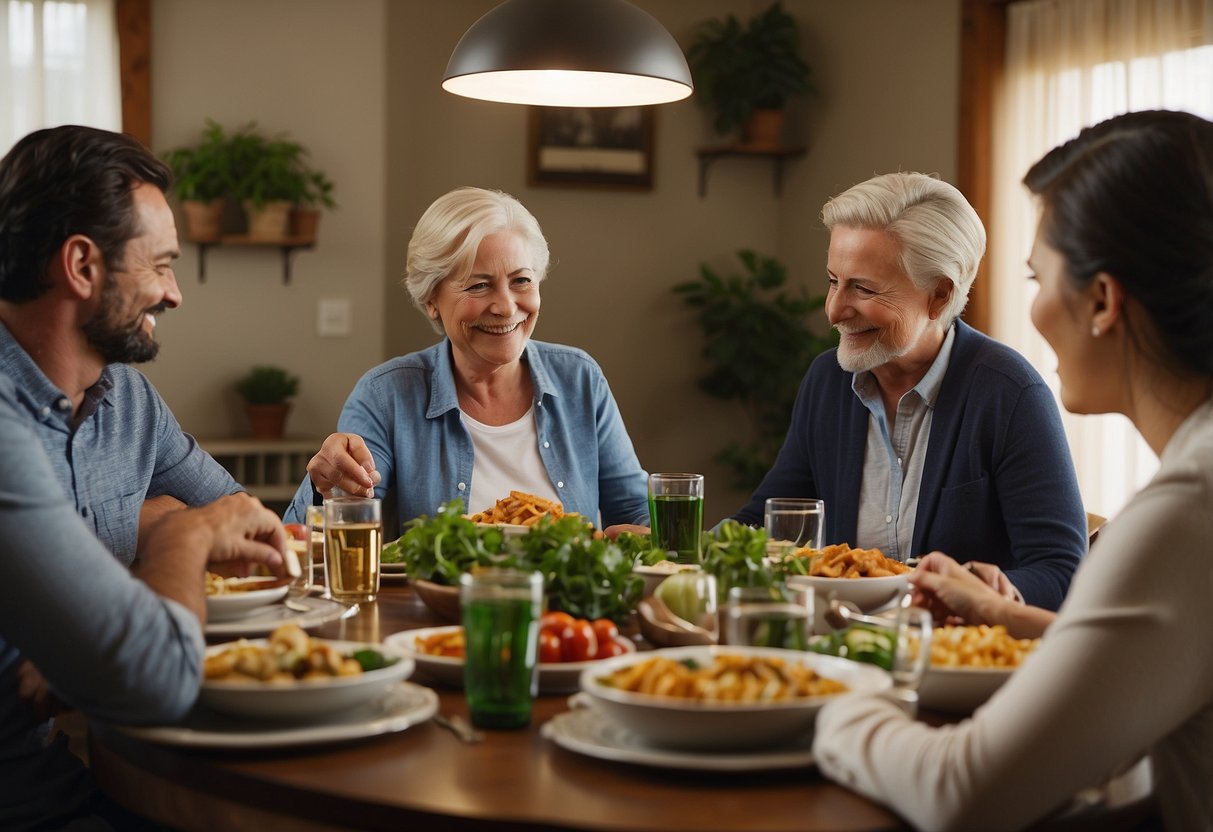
(344, 462)
(956, 593)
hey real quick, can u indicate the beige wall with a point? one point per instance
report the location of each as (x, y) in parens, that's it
(368, 103)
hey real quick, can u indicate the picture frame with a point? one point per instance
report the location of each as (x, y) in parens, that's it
(591, 147)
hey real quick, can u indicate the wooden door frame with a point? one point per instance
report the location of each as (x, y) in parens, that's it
(133, 21)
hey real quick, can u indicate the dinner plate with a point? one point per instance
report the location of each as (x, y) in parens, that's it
(300, 699)
(589, 732)
(239, 603)
(554, 677)
(401, 707)
(507, 529)
(264, 619)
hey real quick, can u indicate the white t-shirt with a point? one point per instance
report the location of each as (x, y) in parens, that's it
(506, 459)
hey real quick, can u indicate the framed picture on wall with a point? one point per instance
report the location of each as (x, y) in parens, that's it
(594, 147)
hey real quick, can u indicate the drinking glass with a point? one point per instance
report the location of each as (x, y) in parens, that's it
(315, 524)
(501, 610)
(353, 536)
(774, 616)
(793, 523)
(913, 653)
(676, 514)
(298, 540)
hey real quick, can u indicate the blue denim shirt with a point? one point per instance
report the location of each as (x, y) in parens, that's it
(106, 643)
(407, 410)
(125, 447)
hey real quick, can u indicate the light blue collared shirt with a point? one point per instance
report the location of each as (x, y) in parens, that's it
(407, 412)
(893, 464)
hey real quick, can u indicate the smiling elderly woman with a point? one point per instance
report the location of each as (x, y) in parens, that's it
(487, 410)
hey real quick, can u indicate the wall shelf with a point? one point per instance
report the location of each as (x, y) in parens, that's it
(777, 155)
(287, 245)
(271, 469)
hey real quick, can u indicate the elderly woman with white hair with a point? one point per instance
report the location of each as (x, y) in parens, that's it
(486, 410)
(919, 432)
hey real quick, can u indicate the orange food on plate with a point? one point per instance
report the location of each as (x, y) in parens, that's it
(841, 561)
(519, 509)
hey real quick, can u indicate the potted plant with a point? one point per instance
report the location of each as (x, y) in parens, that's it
(746, 73)
(758, 346)
(273, 177)
(266, 391)
(305, 216)
(202, 178)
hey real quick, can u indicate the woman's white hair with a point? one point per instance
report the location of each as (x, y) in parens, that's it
(447, 236)
(940, 233)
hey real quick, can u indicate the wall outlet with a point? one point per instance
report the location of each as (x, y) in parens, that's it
(334, 318)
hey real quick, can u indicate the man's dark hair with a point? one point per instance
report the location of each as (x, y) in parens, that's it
(63, 181)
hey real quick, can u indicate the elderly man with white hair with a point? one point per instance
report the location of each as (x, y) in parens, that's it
(919, 432)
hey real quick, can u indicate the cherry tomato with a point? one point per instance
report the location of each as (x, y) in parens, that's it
(605, 629)
(549, 646)
(613, 647)
(555, 620)
(578, 642)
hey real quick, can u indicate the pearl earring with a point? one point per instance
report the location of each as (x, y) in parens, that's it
(1095, 331)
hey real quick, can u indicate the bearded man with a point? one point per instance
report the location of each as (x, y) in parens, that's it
(919, 432)
(87, 243)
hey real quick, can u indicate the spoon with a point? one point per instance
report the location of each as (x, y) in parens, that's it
(841, 614)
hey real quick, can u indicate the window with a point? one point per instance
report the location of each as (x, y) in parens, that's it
(58, 65)
(1068, 65)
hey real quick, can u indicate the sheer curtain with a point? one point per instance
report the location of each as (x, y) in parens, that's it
(58, 65)
(1072, 63)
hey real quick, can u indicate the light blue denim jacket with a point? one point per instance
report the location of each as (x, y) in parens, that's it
(407, 411)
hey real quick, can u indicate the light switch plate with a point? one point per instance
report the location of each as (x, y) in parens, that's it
(334, 318)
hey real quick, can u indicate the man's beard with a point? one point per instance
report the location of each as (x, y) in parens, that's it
(868, 358)
(116, 342)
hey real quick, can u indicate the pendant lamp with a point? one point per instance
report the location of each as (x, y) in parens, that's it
(568, 53)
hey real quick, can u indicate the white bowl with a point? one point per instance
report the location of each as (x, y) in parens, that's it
(670, 722)
(554, 677)
(308, 698)
(960, 690)
(232, 605)
(869, 594)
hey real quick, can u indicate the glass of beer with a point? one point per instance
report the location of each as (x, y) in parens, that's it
(353, 536)
(501, 610)
(676, 514)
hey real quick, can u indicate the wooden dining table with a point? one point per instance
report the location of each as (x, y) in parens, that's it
(426, 778)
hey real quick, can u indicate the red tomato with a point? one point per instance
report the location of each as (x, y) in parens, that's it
(549, 646)
(613, 647)
(605, 629)
(578, 642)
(555, 620)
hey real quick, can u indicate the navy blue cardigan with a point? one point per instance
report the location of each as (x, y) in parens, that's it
(998, 483)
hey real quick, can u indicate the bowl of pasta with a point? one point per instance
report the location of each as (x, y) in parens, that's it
(292, 676)
(968, 664)
(716, 698)
(865, 577)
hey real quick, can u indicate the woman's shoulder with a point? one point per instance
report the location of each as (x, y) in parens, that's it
(421, 361)
(561, 357)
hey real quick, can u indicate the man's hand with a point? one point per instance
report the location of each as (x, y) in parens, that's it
(344, 462)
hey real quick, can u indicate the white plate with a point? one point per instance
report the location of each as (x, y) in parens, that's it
(263, 620)
(233, 605)
(672, 722)
(554, 677)
(507, 529)
(586, 731)
(960, 690)
(401, 707)
(304, 698)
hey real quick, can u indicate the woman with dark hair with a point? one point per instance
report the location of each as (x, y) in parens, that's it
(1124, 259)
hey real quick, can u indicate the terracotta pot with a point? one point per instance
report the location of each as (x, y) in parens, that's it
(304, 223)
(203, 220)
(763, 129)
(268, 421)
(270, 221)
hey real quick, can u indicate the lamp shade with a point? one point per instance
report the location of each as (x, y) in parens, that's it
(568, 53)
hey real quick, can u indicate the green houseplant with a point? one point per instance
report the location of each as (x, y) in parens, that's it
(758, 346)
(266, 391)
(744, 71)
(203, 175)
